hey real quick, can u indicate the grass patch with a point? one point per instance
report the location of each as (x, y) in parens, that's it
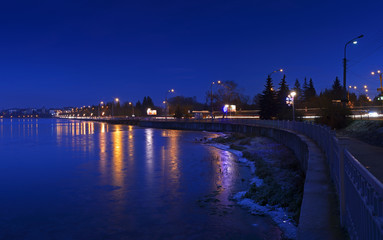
(230, 138)
(286, 193)
(246, 141)
(236, 147)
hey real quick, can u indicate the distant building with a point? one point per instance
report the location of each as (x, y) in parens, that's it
(54, 112)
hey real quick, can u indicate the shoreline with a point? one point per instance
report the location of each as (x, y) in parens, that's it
(279, 215)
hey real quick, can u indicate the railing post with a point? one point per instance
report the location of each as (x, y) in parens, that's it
(342, 202)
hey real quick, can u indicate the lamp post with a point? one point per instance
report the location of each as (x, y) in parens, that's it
(380, 78)
(130, 103)
(101, 103)
(211, 98)
(290, 101)
(166, 103)
(115, 100)
(353, 41)
(293, 96)
(348, 92)
(279, 70)
(381, 87)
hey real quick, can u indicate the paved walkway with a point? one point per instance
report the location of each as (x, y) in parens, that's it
(368, 155)
(319, 217)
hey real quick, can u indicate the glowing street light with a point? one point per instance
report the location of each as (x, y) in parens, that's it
(380, 78)
(348, 92)
(278, 70)
(290, 101)
(166, 102)
(354, 41)
(211, 97)
(115, 100)
(130, 103)
(101, 104)
(293, 95)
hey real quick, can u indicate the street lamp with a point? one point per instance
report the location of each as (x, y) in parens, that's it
(101, 103)
(293, 96)
(115, 100)
(381, 87)
(211, 97)
(130, 103)
(380, 78)
(166, 102)
(279, 70)
(353, 41)
(290, 101)
(348, 92)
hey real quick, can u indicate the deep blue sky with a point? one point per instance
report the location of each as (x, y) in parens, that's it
(72, 53)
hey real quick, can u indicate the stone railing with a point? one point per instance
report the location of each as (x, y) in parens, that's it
(360, 193)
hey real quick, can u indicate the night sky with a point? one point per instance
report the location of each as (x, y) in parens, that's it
(73, 53)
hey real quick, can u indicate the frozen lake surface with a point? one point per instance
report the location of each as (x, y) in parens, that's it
(63, 179)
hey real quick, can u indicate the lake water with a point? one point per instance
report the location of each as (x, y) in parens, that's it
(63, 179)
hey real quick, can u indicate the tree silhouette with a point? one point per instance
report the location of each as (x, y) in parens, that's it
(311, 90)
(309, 93)
(268, 101)
(337, 89)
(298, 90)
(305, 90)
(283, 92)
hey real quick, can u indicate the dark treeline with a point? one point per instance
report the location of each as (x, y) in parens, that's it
(271, 103)
(329, 103)
(227, 92)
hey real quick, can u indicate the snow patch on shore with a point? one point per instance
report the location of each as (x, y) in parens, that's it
(279, 215)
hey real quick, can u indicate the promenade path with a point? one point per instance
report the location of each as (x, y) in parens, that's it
(368, 155)
(319, 217)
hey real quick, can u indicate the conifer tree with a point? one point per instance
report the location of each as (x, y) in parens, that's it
(268, 101)
(305, 90)
(311, 90)
(282, 93)
(297, 89)
(138, 109)
(337, 89)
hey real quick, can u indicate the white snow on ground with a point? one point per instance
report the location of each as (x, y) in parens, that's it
(279, 215)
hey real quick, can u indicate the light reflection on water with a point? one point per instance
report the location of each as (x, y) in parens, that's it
(84, 180)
